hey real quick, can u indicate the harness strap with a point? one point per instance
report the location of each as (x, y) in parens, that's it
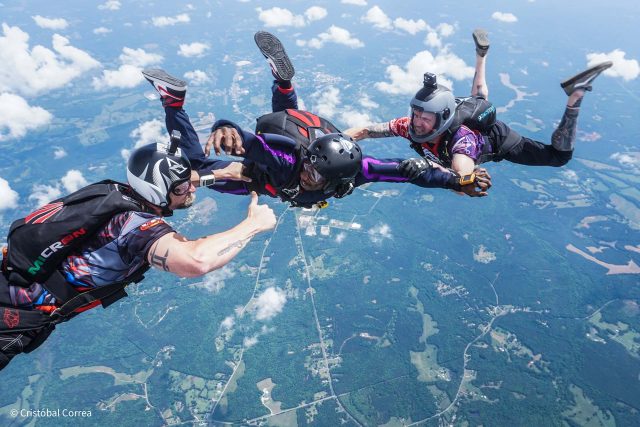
(512, 139)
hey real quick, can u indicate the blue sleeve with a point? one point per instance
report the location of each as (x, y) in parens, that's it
(387, 170)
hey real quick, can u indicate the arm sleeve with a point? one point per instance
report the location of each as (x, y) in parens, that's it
(400, 127)
(275, 152)
(387, 170)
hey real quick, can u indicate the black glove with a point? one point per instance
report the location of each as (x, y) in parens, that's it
(344, 189)
(413, 168)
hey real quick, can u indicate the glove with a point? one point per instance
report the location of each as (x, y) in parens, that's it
(413, 168)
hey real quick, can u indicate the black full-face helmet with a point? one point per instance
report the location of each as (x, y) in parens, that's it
(436, 99)
(153, 171)
(337, 158)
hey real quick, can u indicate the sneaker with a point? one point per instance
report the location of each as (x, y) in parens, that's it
(481, 39)
(172, 90)
(272, 49)
(584, 79)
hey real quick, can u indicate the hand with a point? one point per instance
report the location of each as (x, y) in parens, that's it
(261, 215)
(413, 168)
(357, 133)
(227, 138)
(480, 185)
(233, 172)
(483, 179)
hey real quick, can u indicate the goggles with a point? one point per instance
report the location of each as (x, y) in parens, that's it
(181, 189)
(314, 175)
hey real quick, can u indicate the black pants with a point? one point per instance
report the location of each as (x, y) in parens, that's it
(14, 339)
(509, 145)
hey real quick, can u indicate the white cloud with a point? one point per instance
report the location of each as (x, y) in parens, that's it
(340, 237)
(270, 303)
(367, 102)
(327, 104)
(249, 342)
(126, 76)
(228, 323)
(59, 153)
(8, 196)
(164, 21)
(355, 2)
(333, 35)
(43, 194)
(196, 77)
(354, 118)
(378, 18)
(483, 256)
(409, 25)
(110, 5)
(129, 73)
(73, 181)
(504, 17)
(315, 13)
(33, 70)
(409, 79)
(149, 132)
(380, 232)
(445, 29)
(101, 30)
(628, 69)
(17, 117)
(214, 281)
(569, 175)
(327, 101)
(139, 57)
(50, 23)
(631, 159)
(279, 17)
(433, 40)
(192, 49)
(435, 35)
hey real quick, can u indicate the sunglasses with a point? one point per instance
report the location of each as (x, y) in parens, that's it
(182, 188)
(313, 173)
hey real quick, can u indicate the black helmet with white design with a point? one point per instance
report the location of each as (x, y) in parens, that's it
(337, 158)
(153, 171)
(436, 99)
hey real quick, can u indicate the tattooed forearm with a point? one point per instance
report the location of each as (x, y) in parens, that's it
(379, 130)
(237, 244)
(160, 261)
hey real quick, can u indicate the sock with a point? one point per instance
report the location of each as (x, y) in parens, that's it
(564, 137)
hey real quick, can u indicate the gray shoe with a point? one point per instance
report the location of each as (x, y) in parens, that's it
(481, 39)
(272, 49)
(171, 89)
(584, 79)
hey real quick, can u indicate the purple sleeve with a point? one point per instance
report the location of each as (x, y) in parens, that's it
(387, 170)
(467, 142)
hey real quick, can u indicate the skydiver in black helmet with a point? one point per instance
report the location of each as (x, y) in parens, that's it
(462, 133)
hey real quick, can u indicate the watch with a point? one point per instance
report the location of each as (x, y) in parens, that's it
(467, 179)
(207, 180)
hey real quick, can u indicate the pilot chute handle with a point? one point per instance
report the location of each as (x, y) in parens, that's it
(176, 136)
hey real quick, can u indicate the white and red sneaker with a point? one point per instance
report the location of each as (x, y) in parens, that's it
(171, 89)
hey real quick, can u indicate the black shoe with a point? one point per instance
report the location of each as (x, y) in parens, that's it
(171, 89)
(481, 39)
(584, 79)
(272, 49)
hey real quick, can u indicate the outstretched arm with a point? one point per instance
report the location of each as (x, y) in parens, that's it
(422, 173)
(192, 258)
(375, 130)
